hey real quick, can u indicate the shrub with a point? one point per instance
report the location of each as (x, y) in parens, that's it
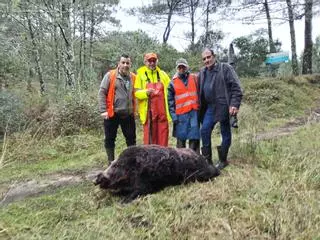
(70, 115)
(276, 98)
(75, 114)
(12, 117)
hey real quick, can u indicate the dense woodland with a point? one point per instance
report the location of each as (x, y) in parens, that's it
(61, 49)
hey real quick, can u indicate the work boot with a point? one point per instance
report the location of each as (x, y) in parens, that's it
(222, 153)
(194, 145)
(207, 153)
(110, 155)
(181, 143)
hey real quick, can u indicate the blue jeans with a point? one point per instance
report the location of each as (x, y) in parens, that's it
(207, 127)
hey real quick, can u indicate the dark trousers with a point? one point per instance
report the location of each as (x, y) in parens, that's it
(207, 127)
(128, 127)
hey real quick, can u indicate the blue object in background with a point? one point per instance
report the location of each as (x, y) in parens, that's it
(275, 58)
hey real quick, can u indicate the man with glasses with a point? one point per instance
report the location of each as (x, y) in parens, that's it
(184, 106)
(220, 97)
(116, 104)
(151, 90)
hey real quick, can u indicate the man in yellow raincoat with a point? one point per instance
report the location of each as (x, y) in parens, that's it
(151, 90)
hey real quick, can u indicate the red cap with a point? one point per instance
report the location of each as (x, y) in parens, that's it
(148, 56)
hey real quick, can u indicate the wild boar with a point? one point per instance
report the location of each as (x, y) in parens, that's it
(144, 169)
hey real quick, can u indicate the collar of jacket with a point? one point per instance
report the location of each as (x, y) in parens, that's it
(144, 69)
(215, 67)
(177, 75)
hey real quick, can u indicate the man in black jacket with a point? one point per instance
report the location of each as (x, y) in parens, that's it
(220, 97)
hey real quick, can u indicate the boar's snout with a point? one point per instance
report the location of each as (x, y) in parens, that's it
(102, 181)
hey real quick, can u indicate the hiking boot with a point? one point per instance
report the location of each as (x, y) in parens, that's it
(194, 145)
(181, 143)
(207, 153)
(222, 153)
(110, 155)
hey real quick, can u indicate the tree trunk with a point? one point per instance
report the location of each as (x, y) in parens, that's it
(83, 41)
(172, 5)
(68, 54)
(271, 43)
(56, 53)
(207, 10)
(192, 8)
(74, 13)
(308, 45)
(84, 36)
(231, 55)
(192, 13)
(81, 48)
(294, 60)
(168, 28)
(36, 55)
(92, 24)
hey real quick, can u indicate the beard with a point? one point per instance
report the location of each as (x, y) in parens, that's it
(124, 71)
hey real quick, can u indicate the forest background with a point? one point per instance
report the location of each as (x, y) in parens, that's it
(57, 50)
(53, 55)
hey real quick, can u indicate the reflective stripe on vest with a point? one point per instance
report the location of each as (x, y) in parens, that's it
(186, 97)
(185, 104)
(111, 92)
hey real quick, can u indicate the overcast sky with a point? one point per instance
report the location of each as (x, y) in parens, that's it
(231, 29)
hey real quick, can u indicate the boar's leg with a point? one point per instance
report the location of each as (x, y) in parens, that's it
(140, 190)
(129, 198)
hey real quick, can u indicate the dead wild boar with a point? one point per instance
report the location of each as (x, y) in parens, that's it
(144, 169)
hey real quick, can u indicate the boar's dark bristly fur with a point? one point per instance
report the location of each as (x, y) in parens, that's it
(140, 170)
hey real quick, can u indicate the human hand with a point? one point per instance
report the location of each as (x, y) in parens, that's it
(150, 90)
(233, 111)
(104, 115)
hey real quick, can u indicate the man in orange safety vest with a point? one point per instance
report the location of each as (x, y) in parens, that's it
(184, 105)
(116, 105)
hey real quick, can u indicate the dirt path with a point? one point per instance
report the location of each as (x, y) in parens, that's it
(290, 127)
(50, 183)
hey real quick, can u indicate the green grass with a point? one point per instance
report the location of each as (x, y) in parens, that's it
(275, 197)
(280, 99)
(30, 158)
(270, 191)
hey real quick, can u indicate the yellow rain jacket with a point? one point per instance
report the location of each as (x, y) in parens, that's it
(141, 90)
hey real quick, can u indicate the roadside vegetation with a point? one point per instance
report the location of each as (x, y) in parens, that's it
(53, 57)
(270, 191)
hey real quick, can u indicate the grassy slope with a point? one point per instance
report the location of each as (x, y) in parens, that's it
(272, 191)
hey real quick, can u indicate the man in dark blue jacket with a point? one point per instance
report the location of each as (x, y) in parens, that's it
(220, 97)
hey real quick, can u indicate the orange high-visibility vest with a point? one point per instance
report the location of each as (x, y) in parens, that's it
(111, 92)
(186, 97)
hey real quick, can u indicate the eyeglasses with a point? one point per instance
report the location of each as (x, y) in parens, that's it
(207, 57)
(152, 60)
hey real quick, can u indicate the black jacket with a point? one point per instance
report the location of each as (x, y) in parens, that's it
(225, 88)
